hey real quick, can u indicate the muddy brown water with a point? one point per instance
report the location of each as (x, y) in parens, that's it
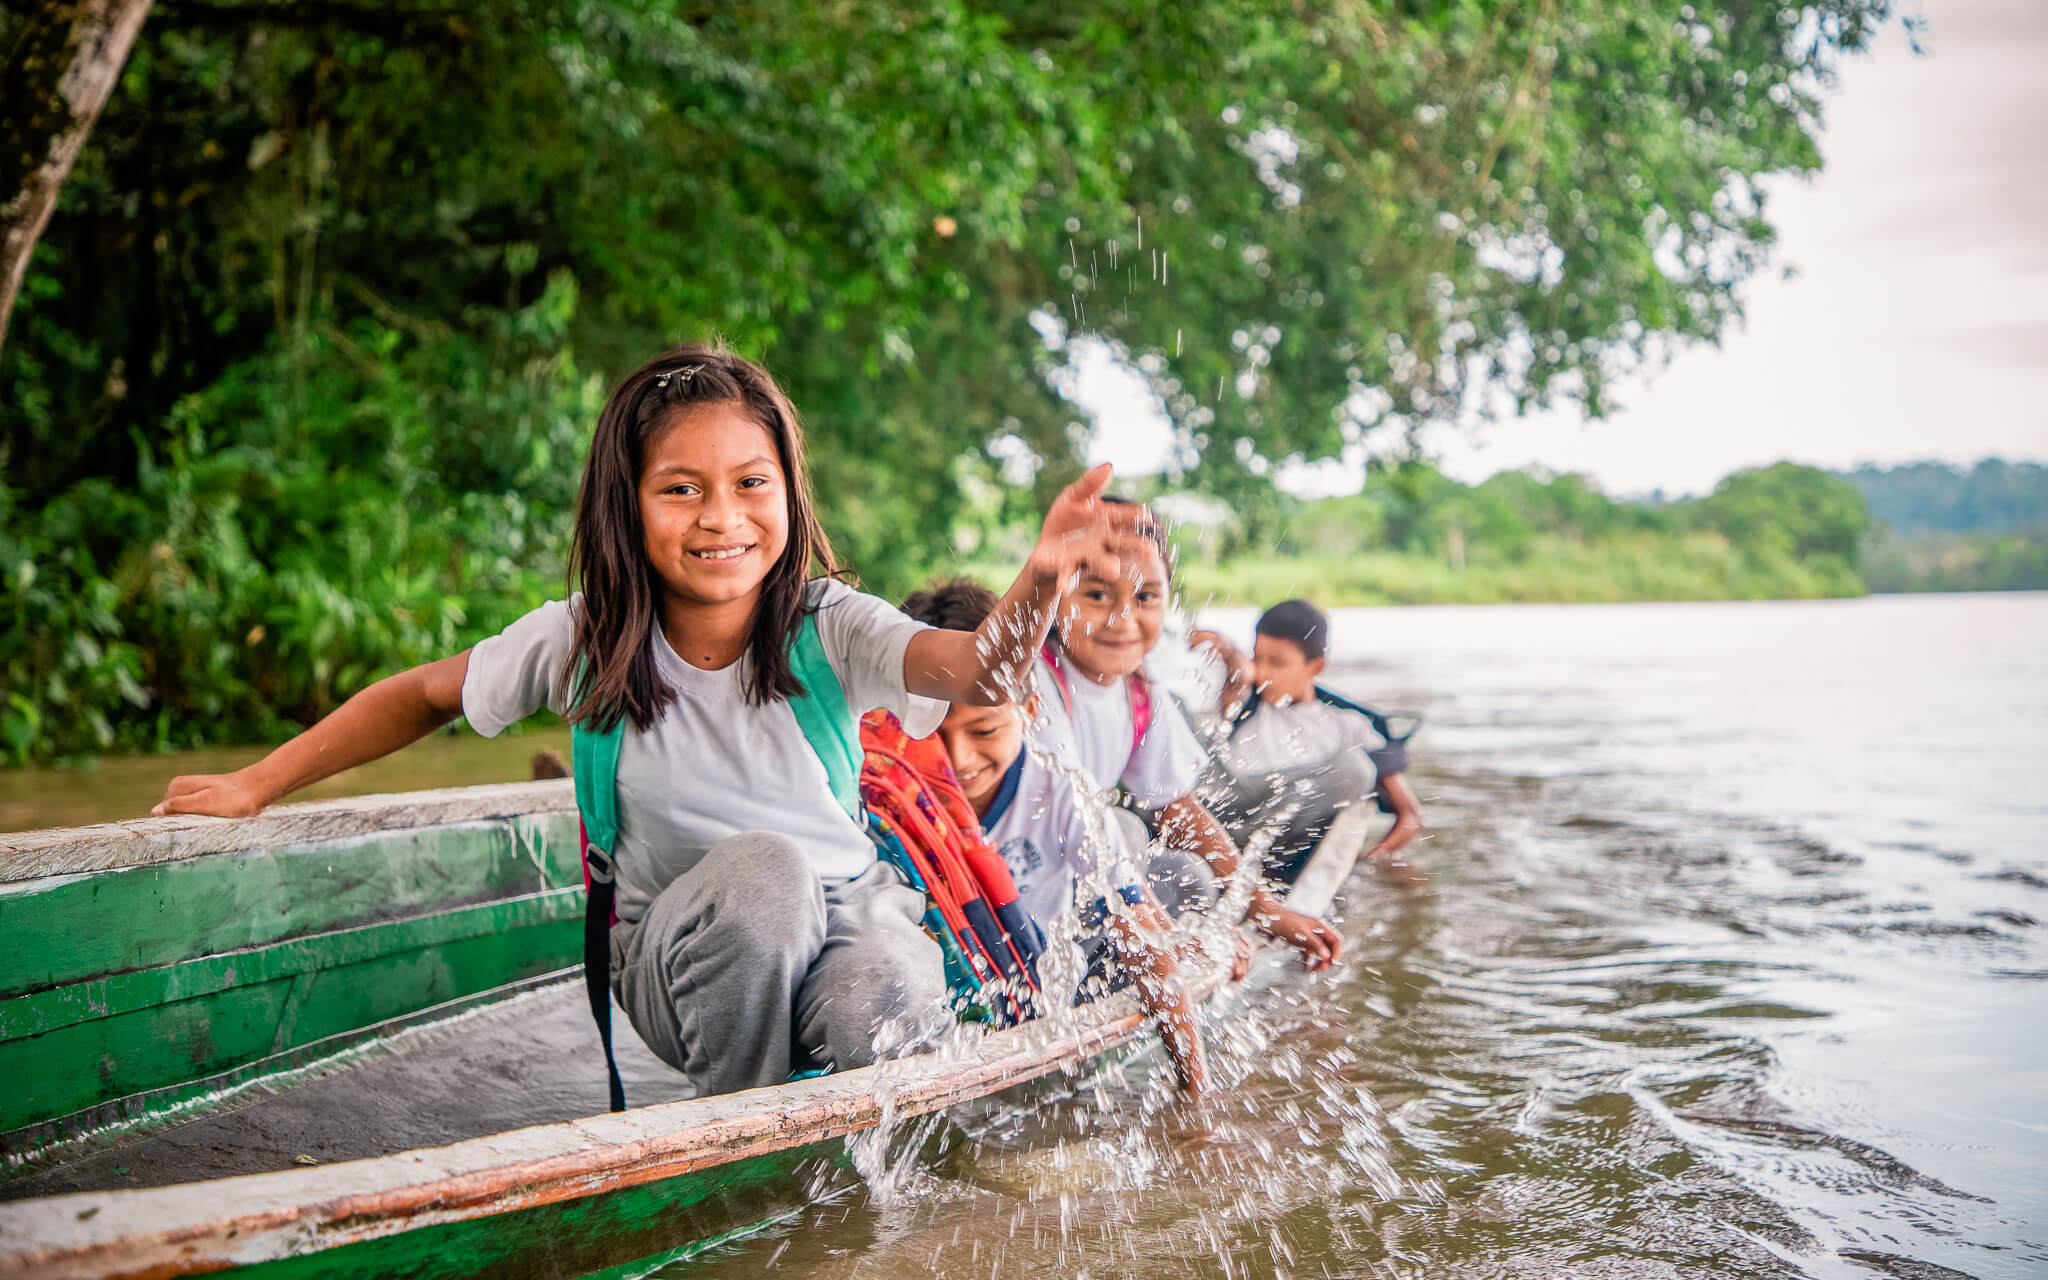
(1729, 958)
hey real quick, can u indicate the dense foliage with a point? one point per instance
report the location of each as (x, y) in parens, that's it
(1959, 562)
(295, 391)
(1416, 536)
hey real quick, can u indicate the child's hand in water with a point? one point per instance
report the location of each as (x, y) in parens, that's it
(220, 795)
(1162, 995)
(1081, 528)
(1319, 944)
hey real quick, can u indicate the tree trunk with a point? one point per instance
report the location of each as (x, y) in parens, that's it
(65, 61)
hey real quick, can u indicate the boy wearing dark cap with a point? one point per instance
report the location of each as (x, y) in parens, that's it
(1291, 761)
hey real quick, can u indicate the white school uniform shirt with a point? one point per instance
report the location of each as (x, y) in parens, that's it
(712, 766)
(1166, 761)
(1294, 734)
(1045, 841)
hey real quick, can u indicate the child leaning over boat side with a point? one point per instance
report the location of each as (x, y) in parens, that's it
(1282, 741)
(753, 917)
(1108, 624)
(1030, 816)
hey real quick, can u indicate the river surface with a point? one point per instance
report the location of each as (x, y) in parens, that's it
(1728, 957)
(1731, 960)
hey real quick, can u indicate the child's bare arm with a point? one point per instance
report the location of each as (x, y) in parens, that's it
(1237, 669)
(1188, 824)
(1407, 818)
(992, 664)
(1163, 996)
(392, 713)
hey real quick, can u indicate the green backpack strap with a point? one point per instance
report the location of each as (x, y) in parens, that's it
(828, 723)
(594, 763)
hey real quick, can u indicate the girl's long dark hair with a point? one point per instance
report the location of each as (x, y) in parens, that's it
(611, 669)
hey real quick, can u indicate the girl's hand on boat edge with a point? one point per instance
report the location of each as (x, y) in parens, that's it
(218, 795)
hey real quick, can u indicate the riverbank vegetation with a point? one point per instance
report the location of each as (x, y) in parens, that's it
(1416, 536)
(300, 372)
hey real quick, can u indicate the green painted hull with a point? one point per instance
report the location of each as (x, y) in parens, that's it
(126, 992)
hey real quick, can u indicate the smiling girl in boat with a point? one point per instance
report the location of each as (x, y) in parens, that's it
(1100, 701)
(753, 920)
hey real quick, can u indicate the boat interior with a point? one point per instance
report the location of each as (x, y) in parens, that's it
(528, 1057)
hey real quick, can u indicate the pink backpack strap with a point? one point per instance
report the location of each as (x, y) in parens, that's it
(1059, 676)
(1141, 707)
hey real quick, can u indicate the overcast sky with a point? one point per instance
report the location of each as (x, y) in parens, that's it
(1916, 325)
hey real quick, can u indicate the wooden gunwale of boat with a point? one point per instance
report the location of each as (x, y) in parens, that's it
(267, 1217)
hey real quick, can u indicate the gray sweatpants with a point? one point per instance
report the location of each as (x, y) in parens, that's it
(747, 964)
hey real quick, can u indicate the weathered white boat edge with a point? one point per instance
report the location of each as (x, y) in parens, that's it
(110, 846)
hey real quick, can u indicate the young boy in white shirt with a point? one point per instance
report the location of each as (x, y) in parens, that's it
(1292, 761)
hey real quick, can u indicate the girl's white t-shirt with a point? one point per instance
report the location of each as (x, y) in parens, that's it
(1166, 761)
(1045, 842)
(713, 766)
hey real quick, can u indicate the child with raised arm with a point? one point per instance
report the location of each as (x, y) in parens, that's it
(1089, 670)
(754, 918)
(1029, 814)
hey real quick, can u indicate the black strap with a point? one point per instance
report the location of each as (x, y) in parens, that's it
(597, 976)
(1247, 711)
(1382, 723)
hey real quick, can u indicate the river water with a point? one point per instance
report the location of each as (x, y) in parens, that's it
(1731, 959)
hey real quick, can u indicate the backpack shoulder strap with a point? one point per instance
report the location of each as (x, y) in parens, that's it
(827, 721)
(1381, 724)
(1059, 677)
(594, 763)
(1141, 706)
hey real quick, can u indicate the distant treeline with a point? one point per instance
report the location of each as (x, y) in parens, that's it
(1414, 535)
(1938, 527)
(1994, 496)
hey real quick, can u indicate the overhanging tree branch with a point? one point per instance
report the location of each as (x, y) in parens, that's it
(65, 61)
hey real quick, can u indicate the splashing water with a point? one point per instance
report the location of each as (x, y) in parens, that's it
(1338, 1127)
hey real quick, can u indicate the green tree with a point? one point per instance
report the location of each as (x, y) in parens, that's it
(1799, 511)
(291, 216)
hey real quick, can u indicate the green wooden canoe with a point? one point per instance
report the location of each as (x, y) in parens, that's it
(157, 975)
